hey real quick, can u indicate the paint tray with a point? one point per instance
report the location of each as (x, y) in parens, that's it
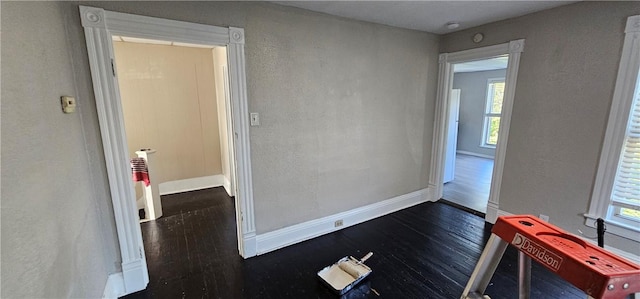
(345, 274)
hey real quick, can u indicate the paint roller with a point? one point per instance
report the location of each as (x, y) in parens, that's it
(345, 274)
(352, 266)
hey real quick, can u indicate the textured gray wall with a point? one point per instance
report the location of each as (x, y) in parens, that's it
(562, 99)
(58, 238)
(473, 95)
(343, 108)
(346, 111)
(346, 107)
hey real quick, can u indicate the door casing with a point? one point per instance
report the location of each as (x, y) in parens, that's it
(99, 26)
(445, 83)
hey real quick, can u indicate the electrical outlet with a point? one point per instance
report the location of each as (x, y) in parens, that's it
(338, 223)
(544, 217)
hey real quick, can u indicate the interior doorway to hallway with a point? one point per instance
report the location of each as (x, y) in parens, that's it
(176, 110)
(475, 110)
(177, 118)
(99, 27)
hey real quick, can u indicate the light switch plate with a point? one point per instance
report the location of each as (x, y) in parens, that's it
(68, 104)
(255, 119)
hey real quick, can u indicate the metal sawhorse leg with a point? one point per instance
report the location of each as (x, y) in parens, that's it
(600, 274)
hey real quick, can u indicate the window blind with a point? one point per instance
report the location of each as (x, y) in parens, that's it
(626, 187)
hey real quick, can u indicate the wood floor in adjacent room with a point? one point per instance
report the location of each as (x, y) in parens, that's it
(426, 251)
(471, 183)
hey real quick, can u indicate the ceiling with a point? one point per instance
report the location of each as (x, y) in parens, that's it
(136, 40)
(496, 63)
(429, 16)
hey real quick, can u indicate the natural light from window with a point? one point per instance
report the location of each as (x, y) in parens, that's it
(625, 196)
(493, 111)
(616, 191)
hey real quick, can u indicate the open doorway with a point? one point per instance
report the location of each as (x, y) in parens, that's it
(475, 110)
(512, 50)
(175, 106)
(100, 26)
(177, 119)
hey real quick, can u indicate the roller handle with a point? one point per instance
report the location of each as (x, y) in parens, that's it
(365, 258)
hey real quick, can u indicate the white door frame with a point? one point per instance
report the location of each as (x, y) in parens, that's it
(99, 26)
(445, 83)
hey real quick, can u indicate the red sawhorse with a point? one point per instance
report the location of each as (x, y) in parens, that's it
(599, 273)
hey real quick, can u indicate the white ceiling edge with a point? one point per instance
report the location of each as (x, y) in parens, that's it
(497, 63)
(136, 40)
(428, 16)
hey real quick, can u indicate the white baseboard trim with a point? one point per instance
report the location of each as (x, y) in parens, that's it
(476, 154)
(226, 183)
(114, 287)
(493, 211)
(135, 276)
(307, 230)
(191, 184)
(249, 245)
(627, 255)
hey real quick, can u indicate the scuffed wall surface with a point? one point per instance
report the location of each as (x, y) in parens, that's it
(564, 91)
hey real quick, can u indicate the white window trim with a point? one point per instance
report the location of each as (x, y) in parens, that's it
(614, 136)
(486, 113)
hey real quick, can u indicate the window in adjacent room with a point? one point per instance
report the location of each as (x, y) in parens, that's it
(492, 112)
(616, 194)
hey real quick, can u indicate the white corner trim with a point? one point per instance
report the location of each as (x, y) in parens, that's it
(135, 274)
(237, 35)
(633, 24)
(226, 183)
(516, 46)
(307, 230)
(493, 212)
(250, 245)
(191, 184)
(475, 154)
(114, 287)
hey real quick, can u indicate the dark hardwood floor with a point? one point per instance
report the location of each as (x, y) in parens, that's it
(426, 251)
(471, 183)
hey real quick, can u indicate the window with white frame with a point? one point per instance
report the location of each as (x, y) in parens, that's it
(625, 194)
(492, 112)
(616, 194)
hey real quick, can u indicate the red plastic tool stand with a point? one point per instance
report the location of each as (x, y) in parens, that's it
(590, 268)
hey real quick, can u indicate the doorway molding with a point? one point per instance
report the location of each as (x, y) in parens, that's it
(514, 49)
(99, 26)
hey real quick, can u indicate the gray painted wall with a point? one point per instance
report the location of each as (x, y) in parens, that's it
(58, 231)
(342, 105)
(473, 95)
(562, 99)
(346, 112)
